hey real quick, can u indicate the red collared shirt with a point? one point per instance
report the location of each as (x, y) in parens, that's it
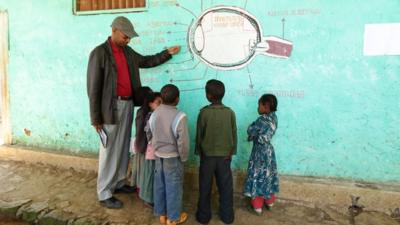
(124, 86)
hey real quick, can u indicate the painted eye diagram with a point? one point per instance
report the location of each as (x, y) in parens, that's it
(227, 38)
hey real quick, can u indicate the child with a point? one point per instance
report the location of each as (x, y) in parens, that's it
(151, 102)
(171, 144)
(140, 141)
(216, 141)
(262, 176)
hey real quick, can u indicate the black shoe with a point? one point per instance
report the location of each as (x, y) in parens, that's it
(111, 203)
(126, 189)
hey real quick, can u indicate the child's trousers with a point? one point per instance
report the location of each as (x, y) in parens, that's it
(168, 187)
(221, 168)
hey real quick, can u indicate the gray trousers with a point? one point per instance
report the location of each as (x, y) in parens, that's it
(114, 159)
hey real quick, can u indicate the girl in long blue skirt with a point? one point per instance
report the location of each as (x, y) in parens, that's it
(262, 181)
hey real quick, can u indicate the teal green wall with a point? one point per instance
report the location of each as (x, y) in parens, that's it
(338, 109)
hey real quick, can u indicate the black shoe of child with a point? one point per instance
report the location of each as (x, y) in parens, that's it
(148, 205)
(126, 189)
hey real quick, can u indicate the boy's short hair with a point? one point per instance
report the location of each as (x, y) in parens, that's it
(169, 93)
(271, 100)
(216, 89)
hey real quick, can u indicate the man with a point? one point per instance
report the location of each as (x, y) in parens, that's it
(113, 86)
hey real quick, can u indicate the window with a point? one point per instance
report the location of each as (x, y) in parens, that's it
(108, 6)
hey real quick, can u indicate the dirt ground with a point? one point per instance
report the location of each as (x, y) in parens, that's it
(71, 196)
(8, 221)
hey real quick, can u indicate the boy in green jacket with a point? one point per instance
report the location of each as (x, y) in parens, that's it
(216, 141)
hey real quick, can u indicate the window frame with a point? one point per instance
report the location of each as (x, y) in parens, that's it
(108, 11)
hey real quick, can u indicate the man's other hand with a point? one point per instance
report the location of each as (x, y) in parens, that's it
(98, 127)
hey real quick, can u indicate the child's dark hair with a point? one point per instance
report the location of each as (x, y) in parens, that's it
(141, 116)
(146, 94)
(169, 93)
(154, 96)
(216, 89)
(148, 98)
(271, 100)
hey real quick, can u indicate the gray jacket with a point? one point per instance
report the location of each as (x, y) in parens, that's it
(102, 80)
(169, 130)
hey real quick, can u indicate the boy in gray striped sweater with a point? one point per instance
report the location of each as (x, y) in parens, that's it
(170, 139)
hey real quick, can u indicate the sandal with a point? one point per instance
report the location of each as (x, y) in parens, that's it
(254, 211)
(183, 217)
